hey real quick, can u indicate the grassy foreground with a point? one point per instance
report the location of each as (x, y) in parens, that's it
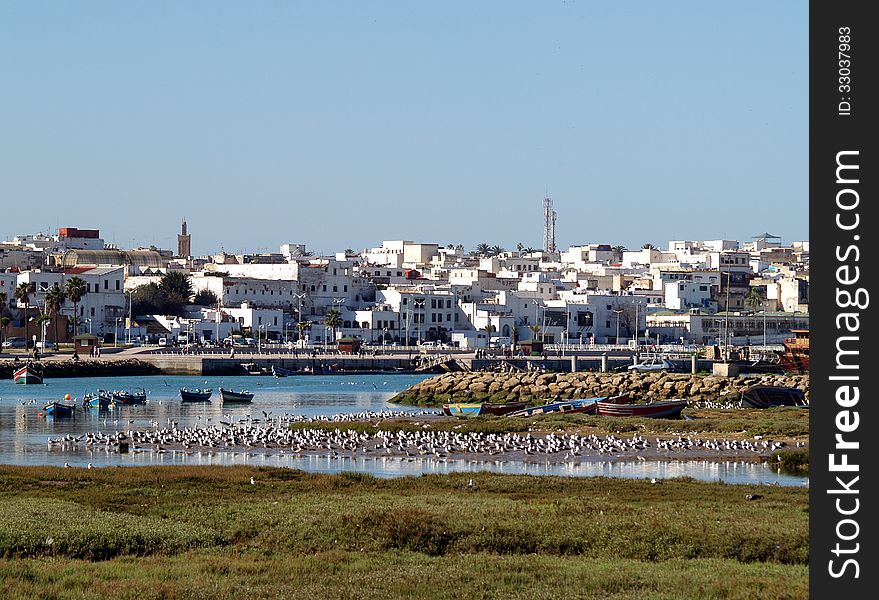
(206, 532)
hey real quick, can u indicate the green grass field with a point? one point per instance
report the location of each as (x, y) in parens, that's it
(206, 532)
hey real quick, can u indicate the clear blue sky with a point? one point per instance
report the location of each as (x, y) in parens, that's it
(339, 124)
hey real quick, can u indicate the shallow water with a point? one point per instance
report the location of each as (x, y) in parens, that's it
(24, 432)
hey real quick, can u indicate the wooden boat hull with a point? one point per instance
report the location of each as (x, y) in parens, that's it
(230, 396)
(502, 409)
(764, 396)
(568, 406)
(280, 372)
(666, 409)
(101, 402)
(462, 410)
(59, 409)
(27, 374)
(195, 395)
(126, 398)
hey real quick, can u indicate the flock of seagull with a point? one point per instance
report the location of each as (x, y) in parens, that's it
(276, 436)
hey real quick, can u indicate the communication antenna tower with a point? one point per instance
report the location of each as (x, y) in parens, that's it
(549, 217)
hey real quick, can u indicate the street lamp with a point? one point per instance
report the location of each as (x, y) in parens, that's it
(259, 328)
(90, 324)
(116, 331)
(617, 338)
(300, 297)
(128, 322)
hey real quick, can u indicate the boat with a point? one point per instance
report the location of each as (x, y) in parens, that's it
(586, 405)
(28, 374)
(123, 397)
(101, 400)
(254, 369)
(280, 372)
(766, 396)
(196, 395)
(59, 409)
(795, 358)
(664, 409)
(233, 396)
(502, 409)
(462, 410)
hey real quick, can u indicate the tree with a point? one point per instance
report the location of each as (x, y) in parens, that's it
(482, 249)
(302, 326)
(205, 297)
(333, 320)
(55, 299)
(23, 294)
(4, 325)
(76, 288)
(489, 329)
(535, 329)
(618, 253)
(754, 298)
(520, 246)
(648, 246)
(496, 250)
(176, 283)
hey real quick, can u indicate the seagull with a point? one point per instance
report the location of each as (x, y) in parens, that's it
(90, 466)
(252, 481)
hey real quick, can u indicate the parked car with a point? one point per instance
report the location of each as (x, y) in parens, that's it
(49, 345)
(15, 342)
(653, 363)
(163, 341)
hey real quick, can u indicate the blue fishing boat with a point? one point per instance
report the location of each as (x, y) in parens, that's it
(123, 397)
(58, 409)
(462, 410)
(196, 395)
(586, 405)
(236, 397)
(101, 400)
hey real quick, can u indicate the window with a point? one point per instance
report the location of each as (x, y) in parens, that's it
(325, 287)
(117, 284)
(448, 317)
(275, 320)
(448, 304)
(312, 288)
(335, 288)
(106, 284)
(93, 311)
(345, 288)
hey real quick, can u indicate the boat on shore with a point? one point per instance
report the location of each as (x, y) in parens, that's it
(125, 397)
(203, 395)
(795, 357)
(664, 409)
(462, 410)
(502, 409)
(241, 397)
(59, 409)
(586, 405)
(766, 396)
(28, 374)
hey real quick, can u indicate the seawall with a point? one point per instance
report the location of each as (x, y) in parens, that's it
(86, 368)
(538, 387)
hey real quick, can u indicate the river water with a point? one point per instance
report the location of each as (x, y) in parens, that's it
(24, 431)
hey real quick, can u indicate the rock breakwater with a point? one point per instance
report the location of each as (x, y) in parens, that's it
(539, 387)
(87, 368)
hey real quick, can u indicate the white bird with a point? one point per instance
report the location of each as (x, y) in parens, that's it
(252, 481)
(89, 466)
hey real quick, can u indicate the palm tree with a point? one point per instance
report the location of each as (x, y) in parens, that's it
(489, 329)
(482, 249)
(76, 288)
(333, 320)
(496, 250)
(618, 252)
(55, 299)
(535, 329)
(754, 298)
(648, 246)
(519, 246)
(302, 326)
(176, 283)
(4, 324)
(23, 294)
